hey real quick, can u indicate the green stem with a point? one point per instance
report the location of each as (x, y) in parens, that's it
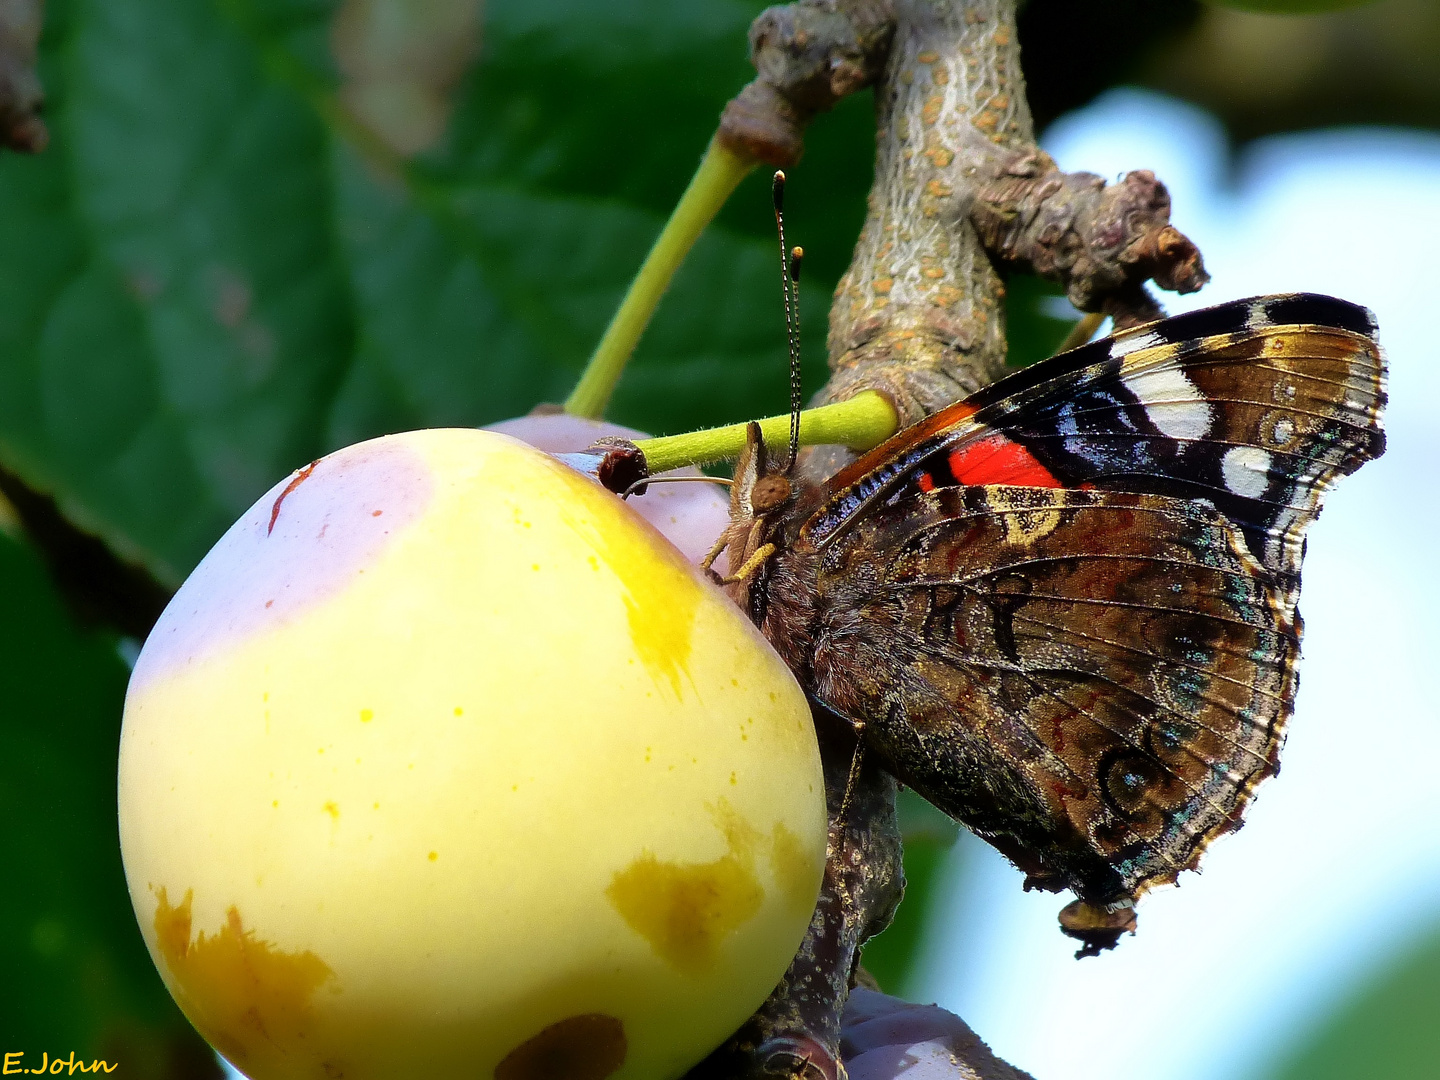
(1083, 330)
(859, 423)
(720, 172)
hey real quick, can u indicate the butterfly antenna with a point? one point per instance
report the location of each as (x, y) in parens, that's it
(790, 284)
(797, 256)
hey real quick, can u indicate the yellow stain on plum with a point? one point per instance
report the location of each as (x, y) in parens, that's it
(661, 597)
(796, 872)
(251, 1000)
(687, 910)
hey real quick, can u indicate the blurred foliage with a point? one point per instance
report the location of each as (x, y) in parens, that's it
(212, 276)
(205, 285)
(1264, 72)
(75, 972)
(1386, 1031)
(1071, 50)
(891, 955)
(1036, 327)
(1291, 7)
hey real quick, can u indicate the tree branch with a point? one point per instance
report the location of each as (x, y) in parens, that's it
(807, 56)
(796, 1033)
(962, 196)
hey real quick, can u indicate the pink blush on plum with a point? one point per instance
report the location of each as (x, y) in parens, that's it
(303, 541)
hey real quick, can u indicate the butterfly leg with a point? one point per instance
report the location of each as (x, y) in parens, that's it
(795, 1035)
(720, 545)
(753, 563)
(857, 760)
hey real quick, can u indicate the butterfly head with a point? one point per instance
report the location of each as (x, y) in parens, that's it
(762, 486)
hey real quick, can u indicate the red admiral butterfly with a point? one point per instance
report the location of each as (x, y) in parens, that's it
(1064, 609)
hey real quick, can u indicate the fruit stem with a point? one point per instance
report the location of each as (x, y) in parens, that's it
(859, 423)
(720, 172)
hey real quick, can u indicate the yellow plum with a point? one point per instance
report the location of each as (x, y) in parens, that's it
(444, 763)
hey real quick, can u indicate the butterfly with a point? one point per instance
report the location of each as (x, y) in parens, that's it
(1064, 610)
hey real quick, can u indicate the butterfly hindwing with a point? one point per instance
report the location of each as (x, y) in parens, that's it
(1095, 681)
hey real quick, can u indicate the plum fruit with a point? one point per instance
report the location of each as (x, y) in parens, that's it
(689, 515)
(444, 763)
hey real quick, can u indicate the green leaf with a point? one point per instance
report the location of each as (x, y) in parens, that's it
(206, 286)
(76, 973)
(1384, 1032)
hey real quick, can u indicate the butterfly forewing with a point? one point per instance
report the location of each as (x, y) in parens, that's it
(1241, 405)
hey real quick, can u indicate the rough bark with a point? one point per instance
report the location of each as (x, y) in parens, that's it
(962, 196)
(807, 56)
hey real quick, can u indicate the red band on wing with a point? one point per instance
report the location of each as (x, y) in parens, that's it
(998, 460)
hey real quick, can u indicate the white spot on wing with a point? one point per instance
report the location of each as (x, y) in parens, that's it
(1246, 470)
(1173, 403)
(1124, 346)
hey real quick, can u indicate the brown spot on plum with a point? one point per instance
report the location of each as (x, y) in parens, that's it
(249, 999)
(298, 479)
(590, 1046)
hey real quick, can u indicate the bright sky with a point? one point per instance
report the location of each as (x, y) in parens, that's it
(1339, 864)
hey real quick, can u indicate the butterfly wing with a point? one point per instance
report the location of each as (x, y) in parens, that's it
(1064, 609)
